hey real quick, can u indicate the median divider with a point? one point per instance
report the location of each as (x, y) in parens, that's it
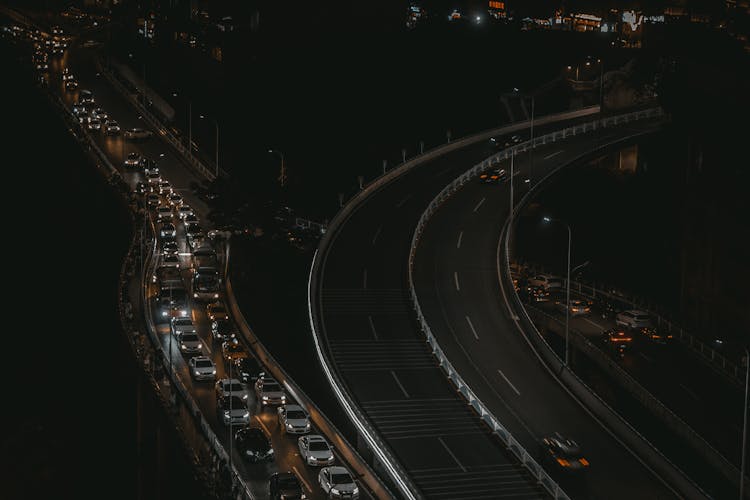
(471, 174)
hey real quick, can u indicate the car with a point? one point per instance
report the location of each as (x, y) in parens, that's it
(537, 294)
(216, 310)
(546, 281)
(85, 97)
(655, 335)
(222, 329)
(78, 109)
(248, 369)
(618, 339)
(170, 260)
(167, 276)
(165, 187)
(153, 178)
(190, 343)
(173, 302)
(168, 231)
(133, 160)
(111, 127)
(202, 368)
(136, 134)
(577, 307)
(153, 200)
(231, 387)
(99, 113)
(269, 391)
(253, 445)
(315, 450)
(293, 419)
(493, 176)
(94, 124)
(232, 410)
(170, 247)
(143, 188)
(188, 219)
(283, 485)
(232, 350)
(83, 117)
(564, 453)
(178, 326)
(184, 211)
(149, 167)
(337, 482)
(66, 74)
(164, 213)
(193, 228)
(175, 199)
(71, 85)
(633, 319)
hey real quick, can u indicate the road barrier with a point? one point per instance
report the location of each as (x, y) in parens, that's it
(380, 449)
(471, 175)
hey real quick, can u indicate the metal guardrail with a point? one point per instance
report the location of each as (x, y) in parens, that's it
(380, 449)
(154, 122)
(471, 174)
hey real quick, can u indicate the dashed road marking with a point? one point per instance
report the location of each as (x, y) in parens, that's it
(478, 205)
(372, 327)
(377, 233)
(398, 382)
(468, 320)
(518, 393)
(455, 279)
(301, 478)
(553, 154)
(451, 454)
(460, 237)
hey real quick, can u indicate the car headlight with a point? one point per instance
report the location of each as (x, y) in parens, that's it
(355, 490)
(246, 415)
(195, 295)
(289, 426)
(182, 345)
(226, 413)
(245, 396)
(200, 345)
(307, 426)
(213, 372)
(265, 398)
(216, 295)
(283, 398)
(270, 452)
(334, 491)
(197, 372)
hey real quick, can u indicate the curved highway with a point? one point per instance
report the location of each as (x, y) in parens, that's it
(381, 356)
(456, 281)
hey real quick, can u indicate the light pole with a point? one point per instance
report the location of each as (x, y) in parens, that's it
(744, 425)
(216, 123)
(567, 287)
(282, 170)
(190, 123)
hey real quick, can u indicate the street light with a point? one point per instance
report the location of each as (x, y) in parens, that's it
(217, 143)
(567, 286)
(282, 171)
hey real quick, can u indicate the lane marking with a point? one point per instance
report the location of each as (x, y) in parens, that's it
(650, 360)
(301, 478)
(518, 393)
(478, 205)
(372, 327)
(364, 278)
(694, 395)
(553, 154)
(377, 233)
(265, 429)
(455, 278)
(401, 203)
(460, 237)
(593, 323)
(398, 382)
(468, 320)
(451, 453)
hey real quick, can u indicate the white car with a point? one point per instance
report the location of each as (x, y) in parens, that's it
(133, 160)
(202, 368)
(232, 410)
(179, 326)
(315, 450)
(546, 281)
(337, 482)
(190, 343)
(293, 419)
(633, 318)
(269, 391)
(231, 387)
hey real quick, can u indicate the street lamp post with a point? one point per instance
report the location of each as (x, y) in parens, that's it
(567, 287)
(282, 170)
(744, 425)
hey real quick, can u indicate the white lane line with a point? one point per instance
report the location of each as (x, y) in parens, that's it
(460, 237)
(451, 454)
(372, 327)
(364, 278)
(301, 478)
(647, 358)
(207, 346)
(468, 320)
(455, 279)
(553, 154)
(401, 203)
(518, 393)
(398, 382)
(479, 205)
(593, 323)
(694, 395)
(377, 233)
(265, 429)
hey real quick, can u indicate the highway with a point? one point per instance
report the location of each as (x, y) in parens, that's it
(386, 366)
(456, 282)
(287, 458)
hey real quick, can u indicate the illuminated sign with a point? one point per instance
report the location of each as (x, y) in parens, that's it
(494, 4)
